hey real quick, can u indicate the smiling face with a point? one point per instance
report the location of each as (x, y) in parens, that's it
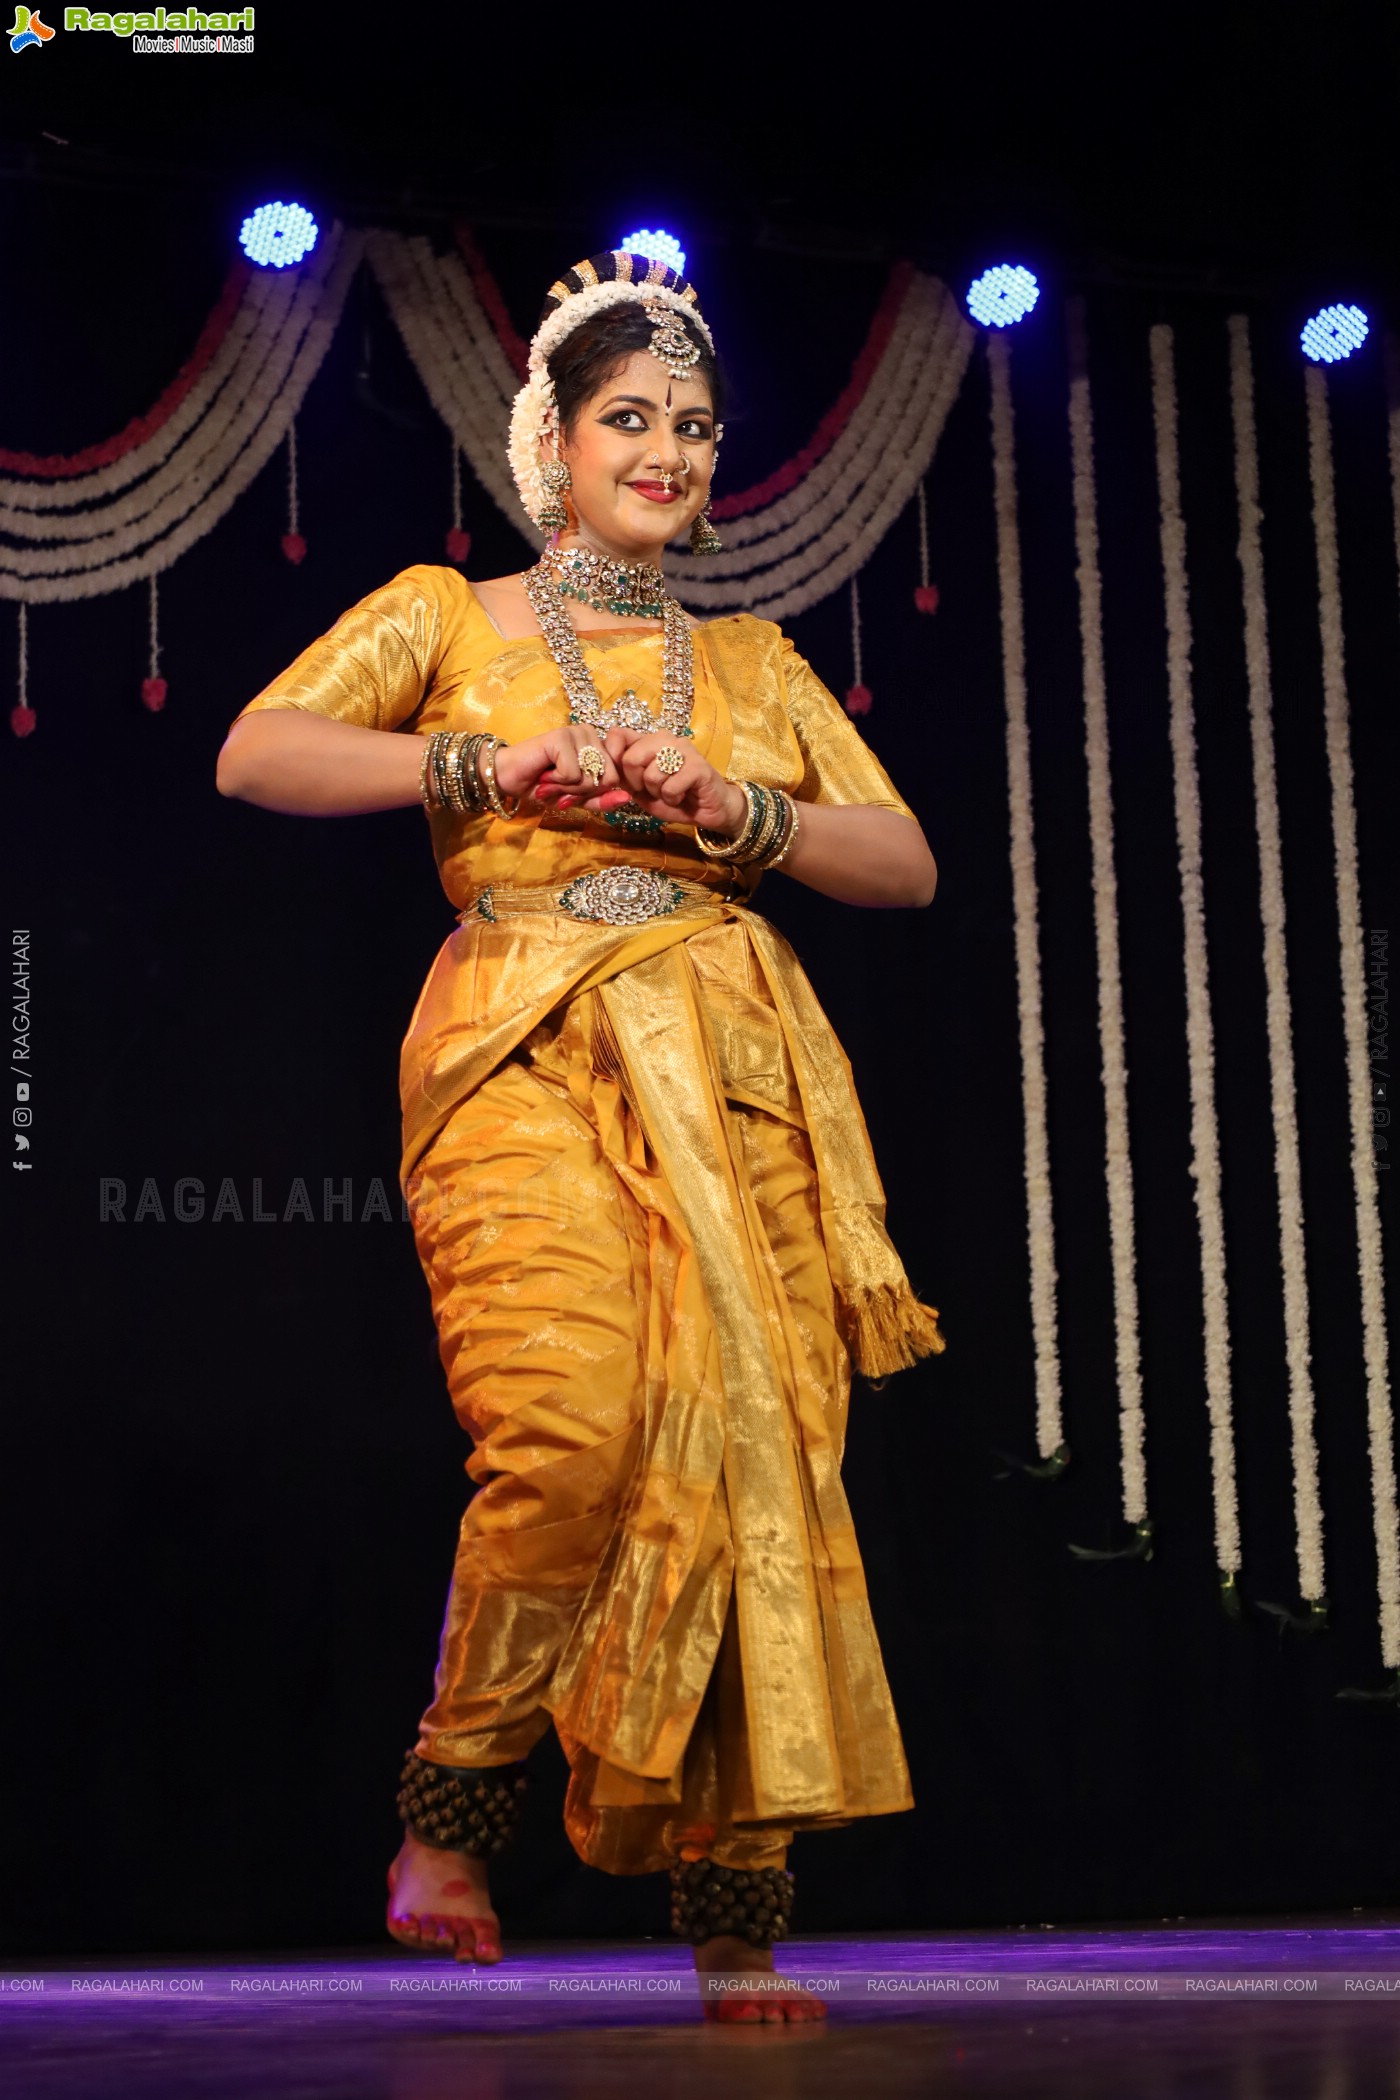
(641, 430)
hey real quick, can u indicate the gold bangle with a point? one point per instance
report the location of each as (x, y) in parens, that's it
(486, 774)
(730, 848)
(423, 773)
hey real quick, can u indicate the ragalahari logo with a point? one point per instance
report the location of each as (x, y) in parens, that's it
(28, 30)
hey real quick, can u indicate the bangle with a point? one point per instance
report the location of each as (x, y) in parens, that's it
(766, 833)
(486, 776)
(717, 844)
(782, 852)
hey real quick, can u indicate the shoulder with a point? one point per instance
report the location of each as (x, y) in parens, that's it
(747, 644)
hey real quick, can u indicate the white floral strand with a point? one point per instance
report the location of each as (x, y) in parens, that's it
(1375, 1350)
(1118, 1164)
(249, 442)
(858, 678)
(1200, 1041)
(261, 313)
(1283, 1093)
(1040, 1216)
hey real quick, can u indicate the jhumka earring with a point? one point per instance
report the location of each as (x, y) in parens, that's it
(703, 537)
(552, 516)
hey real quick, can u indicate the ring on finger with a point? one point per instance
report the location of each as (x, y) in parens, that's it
(669, 760)
(593, 761)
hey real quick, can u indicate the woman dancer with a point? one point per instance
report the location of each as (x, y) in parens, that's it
(640, 1181)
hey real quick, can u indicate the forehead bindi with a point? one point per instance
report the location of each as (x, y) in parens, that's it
(644, 381)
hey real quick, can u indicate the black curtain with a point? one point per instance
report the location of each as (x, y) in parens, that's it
(234, 1476)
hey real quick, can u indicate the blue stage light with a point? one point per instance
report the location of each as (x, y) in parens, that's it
(1334, 334)
(277, 235)
(1001, 295)
(656, 247)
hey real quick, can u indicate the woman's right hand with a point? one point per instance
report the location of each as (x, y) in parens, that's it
(547, 768)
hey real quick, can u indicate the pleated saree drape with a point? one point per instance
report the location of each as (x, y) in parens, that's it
(645, 1203)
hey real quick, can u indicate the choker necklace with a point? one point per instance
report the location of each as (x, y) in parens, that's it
(568, 571)
(634, 588)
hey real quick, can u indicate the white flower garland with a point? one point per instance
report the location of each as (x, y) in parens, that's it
(1375, 1349)
(1118, 1164)
(1039, 1208)
(1283, 1094)
(251, 437)
(105, 534)
(262, 311)
(1200, 1043)
(463, 388)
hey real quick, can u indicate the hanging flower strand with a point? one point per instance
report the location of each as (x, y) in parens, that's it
(293, 545)
(1118, 1168)
(22, 715)
(926, 594)
(1040, 1219)
(459, 543)
(1380, 1420)
(1200, 1032)
(858, 696)
(153, 686)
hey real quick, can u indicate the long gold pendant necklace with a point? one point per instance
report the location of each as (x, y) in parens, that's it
(635, 588)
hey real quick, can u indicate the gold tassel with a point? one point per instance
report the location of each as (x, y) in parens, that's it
(889, 1329)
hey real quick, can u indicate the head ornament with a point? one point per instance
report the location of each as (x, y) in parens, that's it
(612, 279)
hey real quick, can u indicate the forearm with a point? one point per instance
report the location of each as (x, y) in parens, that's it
(306, 765)
(861, 855)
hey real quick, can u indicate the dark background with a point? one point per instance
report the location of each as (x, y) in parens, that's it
(234, 1476)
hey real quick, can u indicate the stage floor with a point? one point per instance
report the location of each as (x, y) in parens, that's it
(1279, 2009)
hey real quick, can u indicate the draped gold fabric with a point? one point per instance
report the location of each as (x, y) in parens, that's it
(644, 1199)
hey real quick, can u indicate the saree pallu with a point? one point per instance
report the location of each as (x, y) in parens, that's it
(644, 1199)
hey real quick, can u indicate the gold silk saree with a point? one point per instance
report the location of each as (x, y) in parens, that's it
(644, 1198)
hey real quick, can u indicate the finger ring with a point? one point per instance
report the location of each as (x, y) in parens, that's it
(669, 760)
(594, 763)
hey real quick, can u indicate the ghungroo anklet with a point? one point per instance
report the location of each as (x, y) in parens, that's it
(707, 1899)
(462, 1809)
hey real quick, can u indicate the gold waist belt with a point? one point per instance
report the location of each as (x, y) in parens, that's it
(618, 895)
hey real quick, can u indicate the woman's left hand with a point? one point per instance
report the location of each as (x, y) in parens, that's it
(696, 793)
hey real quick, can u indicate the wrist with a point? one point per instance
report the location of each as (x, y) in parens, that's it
(509, 777)
(736, 810)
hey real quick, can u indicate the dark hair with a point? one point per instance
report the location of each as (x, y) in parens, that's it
(588, 357)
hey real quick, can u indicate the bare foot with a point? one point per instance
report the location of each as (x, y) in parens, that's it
(772, 1998)
(439, 1902)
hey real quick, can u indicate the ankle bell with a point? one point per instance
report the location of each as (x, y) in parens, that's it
(752, 1904)
(462, 1808)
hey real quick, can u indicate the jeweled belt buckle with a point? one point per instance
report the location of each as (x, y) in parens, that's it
(621, 896)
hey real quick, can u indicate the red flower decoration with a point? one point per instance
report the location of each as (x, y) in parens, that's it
(858, 700)
(22, 720)
(926, 597)
(153, 691)
(459, 544)
(294, 547)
